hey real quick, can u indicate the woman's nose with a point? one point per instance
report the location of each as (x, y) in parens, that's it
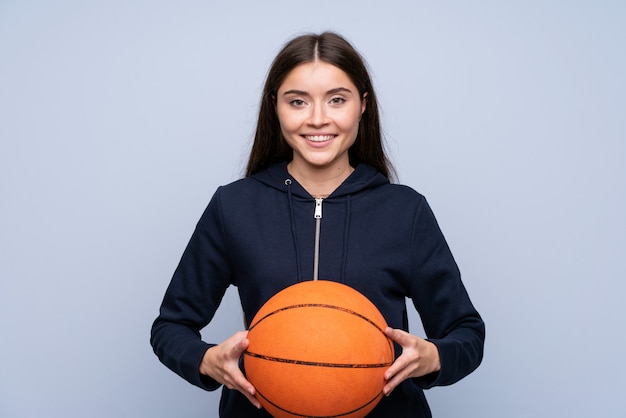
(318, 116)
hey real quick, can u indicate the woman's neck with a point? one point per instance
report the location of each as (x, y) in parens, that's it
(320, 183)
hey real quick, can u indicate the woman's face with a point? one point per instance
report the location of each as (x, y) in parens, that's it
(319, 109)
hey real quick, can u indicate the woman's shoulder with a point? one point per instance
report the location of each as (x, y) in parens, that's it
(235, 185)
(243, 188)
(404, 191)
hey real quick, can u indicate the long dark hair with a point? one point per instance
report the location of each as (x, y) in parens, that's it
(269, 146)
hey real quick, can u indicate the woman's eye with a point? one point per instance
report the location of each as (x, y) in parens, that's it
(337, 100)
(297, 102)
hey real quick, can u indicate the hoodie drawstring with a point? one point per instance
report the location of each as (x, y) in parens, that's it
(346, 234)
(293, 229)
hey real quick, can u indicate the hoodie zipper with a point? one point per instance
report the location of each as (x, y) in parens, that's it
(318, 220)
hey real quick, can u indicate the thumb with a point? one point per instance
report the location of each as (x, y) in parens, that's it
(397, 335)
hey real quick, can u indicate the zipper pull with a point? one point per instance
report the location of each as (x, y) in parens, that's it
(318, 208)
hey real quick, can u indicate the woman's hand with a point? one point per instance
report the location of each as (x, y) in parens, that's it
(221, 362)
(419, 358)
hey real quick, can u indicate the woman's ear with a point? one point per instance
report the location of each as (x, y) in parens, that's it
(363, 103)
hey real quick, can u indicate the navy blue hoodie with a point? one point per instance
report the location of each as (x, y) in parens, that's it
(382, 239)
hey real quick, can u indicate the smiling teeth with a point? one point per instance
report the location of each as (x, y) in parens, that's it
(319, 138)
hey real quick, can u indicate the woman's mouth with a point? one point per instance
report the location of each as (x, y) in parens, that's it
(318, 138)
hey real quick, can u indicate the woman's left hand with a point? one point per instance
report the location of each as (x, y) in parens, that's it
(419, 358)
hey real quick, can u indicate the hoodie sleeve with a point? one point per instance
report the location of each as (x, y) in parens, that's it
(450, 320)
(192, 297)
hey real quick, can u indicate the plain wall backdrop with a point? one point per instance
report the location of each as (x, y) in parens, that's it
(118, 120)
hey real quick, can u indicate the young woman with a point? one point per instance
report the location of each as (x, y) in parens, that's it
(318, 142)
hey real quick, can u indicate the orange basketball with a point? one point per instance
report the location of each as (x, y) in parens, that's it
(318, 349)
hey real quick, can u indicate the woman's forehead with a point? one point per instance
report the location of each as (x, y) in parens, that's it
(317, 76)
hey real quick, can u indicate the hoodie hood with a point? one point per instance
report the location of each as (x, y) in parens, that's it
(362, 178)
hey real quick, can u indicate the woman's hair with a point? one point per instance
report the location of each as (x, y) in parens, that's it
(270, 147)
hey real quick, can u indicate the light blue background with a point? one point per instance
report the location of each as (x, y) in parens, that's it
(118, 119)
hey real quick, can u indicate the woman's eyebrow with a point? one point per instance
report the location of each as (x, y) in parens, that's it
(297, 92)
(339, 90)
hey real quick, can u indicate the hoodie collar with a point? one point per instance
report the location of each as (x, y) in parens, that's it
(362, 178)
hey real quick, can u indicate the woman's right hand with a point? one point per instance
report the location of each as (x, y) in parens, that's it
(221, 362)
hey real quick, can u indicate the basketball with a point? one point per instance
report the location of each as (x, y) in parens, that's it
(318, 349)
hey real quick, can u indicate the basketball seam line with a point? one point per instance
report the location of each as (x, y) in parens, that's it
(343, 414)
(317, 305)
(318, 363)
